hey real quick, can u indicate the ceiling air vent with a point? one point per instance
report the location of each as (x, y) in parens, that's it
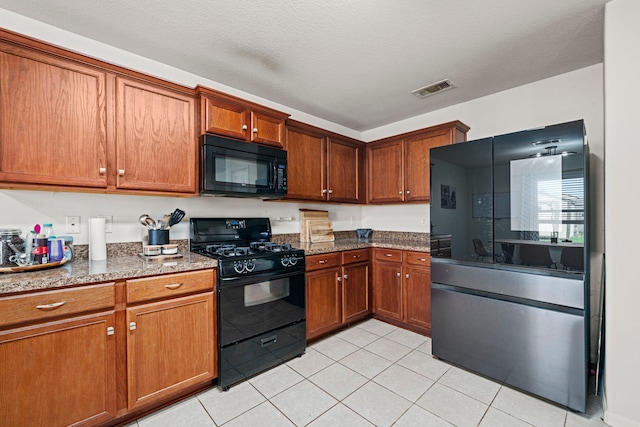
(423, 92)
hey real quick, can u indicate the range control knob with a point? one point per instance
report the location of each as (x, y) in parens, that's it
(293, 260)
(285, 261)
(238, 267)
(250, 265)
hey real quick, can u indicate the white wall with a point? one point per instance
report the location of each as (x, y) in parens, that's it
(622, 106)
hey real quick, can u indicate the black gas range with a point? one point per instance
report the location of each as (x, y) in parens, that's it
(242, 246)
(260, 295)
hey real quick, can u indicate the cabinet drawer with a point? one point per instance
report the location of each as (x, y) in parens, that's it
(358, 255)
(417, 258)
(390, 255)
(46, 305)
(169, 285)
(317, 262)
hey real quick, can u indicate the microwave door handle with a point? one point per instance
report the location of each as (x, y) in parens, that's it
(274, 174)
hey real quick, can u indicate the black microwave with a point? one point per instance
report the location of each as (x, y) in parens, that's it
(241, 169)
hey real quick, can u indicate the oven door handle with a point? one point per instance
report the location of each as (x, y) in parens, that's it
(258, 278)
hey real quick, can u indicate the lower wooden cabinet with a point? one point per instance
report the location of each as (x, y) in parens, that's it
(338, 290)
(58, 373)
(170, 345)
(98, 354)
(170, 337)
(402, 287)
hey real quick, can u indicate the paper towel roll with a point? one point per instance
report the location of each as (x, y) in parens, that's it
(97, 239)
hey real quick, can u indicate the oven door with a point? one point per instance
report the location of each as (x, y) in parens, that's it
(251, 306)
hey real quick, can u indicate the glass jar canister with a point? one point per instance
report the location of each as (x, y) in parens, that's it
(10, 239)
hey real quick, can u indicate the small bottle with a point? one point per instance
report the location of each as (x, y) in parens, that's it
(47, 230)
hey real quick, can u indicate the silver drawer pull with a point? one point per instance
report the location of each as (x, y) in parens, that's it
(407, 275)
(388, 254)
(51, 306)
(111, 330)
(173, 286)
(356, 256)
(422, 259)
(244, 127)
(323, 261)
(132, 326)
(398, 274)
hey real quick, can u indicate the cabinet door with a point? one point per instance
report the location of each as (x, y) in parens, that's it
(170, 346)
(52, 121)
(343, 171)
(355, 292)
(417, 294)
(225, 118)
(156, 142)
(324, 301)
(387, 290)
(58, 374)
(306, 161)
(417, 164)
(267, 130)
(385, 182)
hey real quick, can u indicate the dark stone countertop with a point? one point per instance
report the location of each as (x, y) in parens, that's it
(122, 265)
(82, 271)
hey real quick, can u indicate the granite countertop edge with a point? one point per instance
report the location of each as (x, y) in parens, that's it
(84, 272)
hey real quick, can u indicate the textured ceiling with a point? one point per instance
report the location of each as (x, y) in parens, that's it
(354, 62)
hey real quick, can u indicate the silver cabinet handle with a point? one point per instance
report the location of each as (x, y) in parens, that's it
(346, 276)
(132, 326)
(324, 191)
(388, 255)
(244, 127)
(255, 130)
(330, 191)
(400, 192)
(339, 279)
(121, 172)
(51, 306)
(102, 171)
(407, 276)
(356, 256)
(398, 274)
(173, 286)
(110, 330)
(422, 259)
(323, 261)
(408, 191)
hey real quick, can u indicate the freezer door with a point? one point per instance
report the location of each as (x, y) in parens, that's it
(565, 291)
(538, 350)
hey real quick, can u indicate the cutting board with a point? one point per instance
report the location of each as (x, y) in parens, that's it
(307, 215)
(320, 231)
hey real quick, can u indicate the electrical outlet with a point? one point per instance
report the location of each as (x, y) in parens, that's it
(73, 225)
(108, 223)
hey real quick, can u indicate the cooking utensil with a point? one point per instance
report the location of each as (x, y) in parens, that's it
(151, 223)
(143, 219)
(160, 224)
(176, 217)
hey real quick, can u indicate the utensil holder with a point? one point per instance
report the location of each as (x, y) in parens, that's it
(158, 237)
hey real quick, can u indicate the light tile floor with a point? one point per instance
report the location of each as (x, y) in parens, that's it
(372, 374)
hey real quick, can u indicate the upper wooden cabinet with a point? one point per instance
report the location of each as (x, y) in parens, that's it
(226, 115)
(324, 166)
(53, 120)
(156, 140)
(72, 122)
(398, 167)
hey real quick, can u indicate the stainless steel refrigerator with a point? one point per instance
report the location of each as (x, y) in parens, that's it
(512, 302)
